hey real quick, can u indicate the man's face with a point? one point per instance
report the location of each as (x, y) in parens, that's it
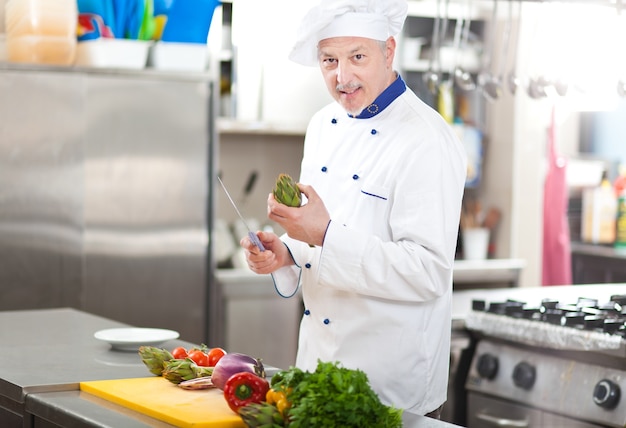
(356, 70)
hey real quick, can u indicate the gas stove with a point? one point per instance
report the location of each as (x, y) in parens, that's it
(548, 363)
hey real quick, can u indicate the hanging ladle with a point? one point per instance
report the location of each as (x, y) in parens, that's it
(512, 80)
(485, 77)
(537, 85)
(462, 77)
(431, 77)
(493, 86)
(621, 87)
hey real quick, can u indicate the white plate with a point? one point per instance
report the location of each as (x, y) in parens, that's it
(130, 339)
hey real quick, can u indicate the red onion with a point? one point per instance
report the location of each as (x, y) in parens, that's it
(232, 363)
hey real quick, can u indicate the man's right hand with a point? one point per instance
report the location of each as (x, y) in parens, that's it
(273, 258)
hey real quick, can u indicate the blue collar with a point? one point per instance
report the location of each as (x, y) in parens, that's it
(381, 102)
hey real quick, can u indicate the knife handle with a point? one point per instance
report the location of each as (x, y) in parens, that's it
(256, 241)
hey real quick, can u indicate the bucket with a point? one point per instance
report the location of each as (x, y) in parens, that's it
(475, 243)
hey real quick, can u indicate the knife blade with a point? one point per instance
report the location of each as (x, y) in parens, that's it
(255, 239)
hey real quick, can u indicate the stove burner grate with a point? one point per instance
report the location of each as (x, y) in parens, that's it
(542, 334)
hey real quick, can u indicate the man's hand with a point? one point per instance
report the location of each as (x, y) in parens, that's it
(307, 223)
(273, 258)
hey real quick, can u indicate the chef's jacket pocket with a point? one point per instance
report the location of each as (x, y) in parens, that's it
(373, 200)
(375, 191)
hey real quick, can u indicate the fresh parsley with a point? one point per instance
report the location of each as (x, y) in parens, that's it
(333, 396)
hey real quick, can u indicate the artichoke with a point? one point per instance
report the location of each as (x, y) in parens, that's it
(177, 371)
(154, 358)
(286, 191)
(261, 415)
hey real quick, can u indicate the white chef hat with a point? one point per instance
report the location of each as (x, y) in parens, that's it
(373, 19)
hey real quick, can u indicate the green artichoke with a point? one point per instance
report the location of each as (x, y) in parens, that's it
(261, 415)
(286, 191)
(177, 371)
(154, 358)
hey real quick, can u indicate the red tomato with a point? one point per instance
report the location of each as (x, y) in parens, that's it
(199, 357)
(179, 353)
(214, 356)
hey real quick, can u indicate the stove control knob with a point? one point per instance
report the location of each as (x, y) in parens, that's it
(524, 375)
(487, 366)
(606, 394)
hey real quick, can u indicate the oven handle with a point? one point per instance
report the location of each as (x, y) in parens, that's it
(503, 422)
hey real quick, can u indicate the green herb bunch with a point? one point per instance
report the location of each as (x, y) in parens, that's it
(333, 396)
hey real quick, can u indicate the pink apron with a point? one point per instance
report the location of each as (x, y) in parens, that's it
(557, 263)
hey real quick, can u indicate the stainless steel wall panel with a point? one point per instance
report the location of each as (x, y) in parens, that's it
(41, 121)
(105, 201)
(146, 196)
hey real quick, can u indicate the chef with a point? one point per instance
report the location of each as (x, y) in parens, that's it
(373, 245)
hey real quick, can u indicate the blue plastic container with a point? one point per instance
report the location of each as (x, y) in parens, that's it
(188, 21)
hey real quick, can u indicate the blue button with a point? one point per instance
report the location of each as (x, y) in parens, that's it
(333, 121)
(324, 169)
(374, 132)
(326, 321)
(308, 265)
(307, 312)
(355, 177)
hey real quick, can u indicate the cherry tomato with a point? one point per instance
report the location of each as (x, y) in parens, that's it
(179, 353)
(214, 356)
(199, 357)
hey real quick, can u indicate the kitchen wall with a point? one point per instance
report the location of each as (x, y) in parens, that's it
(242, 153)
(606, 134)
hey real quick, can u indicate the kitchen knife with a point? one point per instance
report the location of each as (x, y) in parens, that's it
(255, 239)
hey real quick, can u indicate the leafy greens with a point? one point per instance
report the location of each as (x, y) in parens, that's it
(333, 396)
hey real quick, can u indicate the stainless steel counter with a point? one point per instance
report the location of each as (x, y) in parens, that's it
(45, 354)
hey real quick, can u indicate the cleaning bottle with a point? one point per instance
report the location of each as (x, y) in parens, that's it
(620, 224)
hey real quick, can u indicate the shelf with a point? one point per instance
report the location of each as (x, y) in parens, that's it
(233, 126)
(488, 271)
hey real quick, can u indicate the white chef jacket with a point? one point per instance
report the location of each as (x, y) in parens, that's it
(377, 294)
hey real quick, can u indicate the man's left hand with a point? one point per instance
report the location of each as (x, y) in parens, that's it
(307, 223)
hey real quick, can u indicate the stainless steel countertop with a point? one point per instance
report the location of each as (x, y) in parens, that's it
(46, 353)
(55, 350)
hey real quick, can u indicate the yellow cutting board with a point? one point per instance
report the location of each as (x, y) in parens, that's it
(163, 400)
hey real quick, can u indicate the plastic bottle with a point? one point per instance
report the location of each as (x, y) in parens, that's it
(599, 213)
(41, 31)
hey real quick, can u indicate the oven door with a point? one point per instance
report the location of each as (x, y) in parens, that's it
(486, 412)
